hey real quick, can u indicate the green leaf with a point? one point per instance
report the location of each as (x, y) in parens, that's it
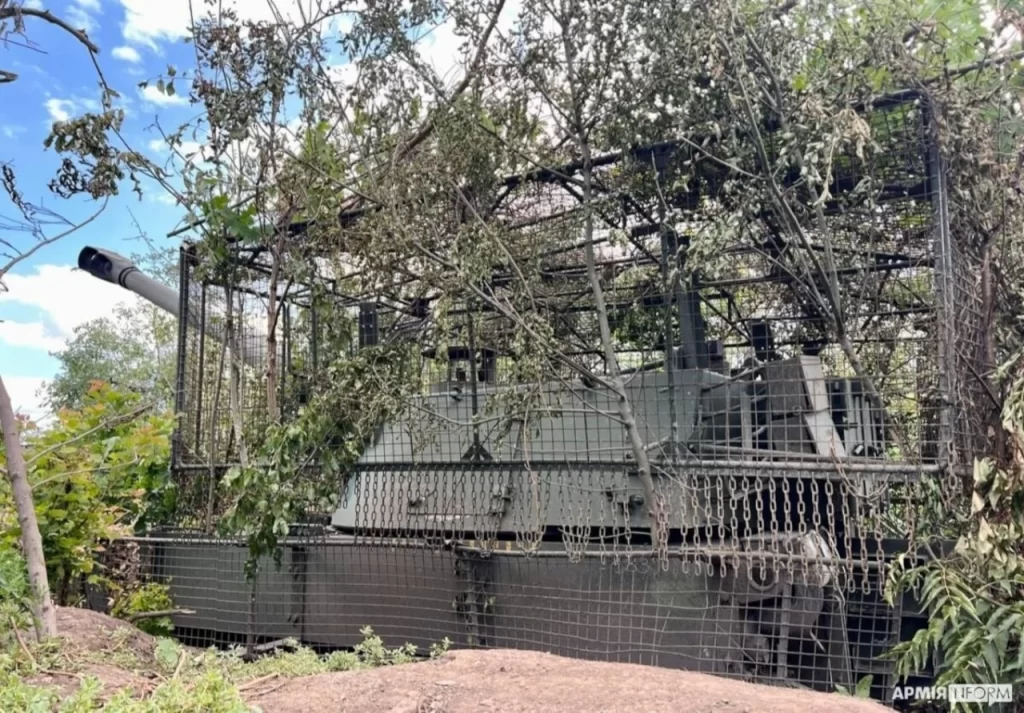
(991, 655)
(863, 689)
(167, 653)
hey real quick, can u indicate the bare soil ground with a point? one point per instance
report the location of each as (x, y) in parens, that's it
(459, 682)
(504, 681)
(97, 642)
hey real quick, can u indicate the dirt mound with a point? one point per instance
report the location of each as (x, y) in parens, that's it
(110, 650)
(528, 682)
(90, 632)
(499, 681)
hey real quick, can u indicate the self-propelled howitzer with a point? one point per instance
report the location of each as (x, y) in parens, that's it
(573, 483)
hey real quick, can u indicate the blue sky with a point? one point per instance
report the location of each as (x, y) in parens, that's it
(46, 298)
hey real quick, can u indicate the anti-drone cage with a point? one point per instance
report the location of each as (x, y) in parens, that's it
(793, 449)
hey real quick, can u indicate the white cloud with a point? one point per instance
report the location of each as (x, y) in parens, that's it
(60, 109)
(154, 96)
(344, 74)
(190, 148)
(64, 109)
(33, 4)
(24, 393)
(148, 22)
(164, 197)
(64, 298)
(186, 149)
(128, 54)
(93, 5)
(10, 131)
(77, 17)
(31, 335)
(443, 50)
(447, 52)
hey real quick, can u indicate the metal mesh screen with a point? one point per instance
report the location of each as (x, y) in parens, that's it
(790, 449)
(697, 613)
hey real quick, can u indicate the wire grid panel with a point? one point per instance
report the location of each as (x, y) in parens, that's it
(711, 474)
(629, 609)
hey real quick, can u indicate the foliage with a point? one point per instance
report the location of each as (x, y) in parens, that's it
(133, 350)
(96, 473)
(149, 597)
(16, 695)
(975, 596)
(440, 648)
(329, 432)
(861, 690)
(15, 592)
(209, 693)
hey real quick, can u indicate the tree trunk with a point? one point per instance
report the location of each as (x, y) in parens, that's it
(235, 383)
(656, 506)
(272, 308)
(43, 612)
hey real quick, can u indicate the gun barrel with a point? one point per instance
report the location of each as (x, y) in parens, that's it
(118, 270)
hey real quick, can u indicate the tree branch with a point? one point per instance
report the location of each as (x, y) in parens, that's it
(428, 127)
(140, 616)
(47, 241)
(48, 16)
(99, 427)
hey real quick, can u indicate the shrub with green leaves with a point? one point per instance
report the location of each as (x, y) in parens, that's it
(974, 597)
(145, 599)
(97, 473)
(15, 592)
(17, 695)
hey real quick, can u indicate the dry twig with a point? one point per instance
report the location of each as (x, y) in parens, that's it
(157, 614)
(21, 642)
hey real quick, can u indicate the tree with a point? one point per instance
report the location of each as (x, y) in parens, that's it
(43, 613)
(132, 350)
(93, 165)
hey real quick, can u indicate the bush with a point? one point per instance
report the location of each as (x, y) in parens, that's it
(143, 600)
(975, 597)
(97, 473)
(15, 592)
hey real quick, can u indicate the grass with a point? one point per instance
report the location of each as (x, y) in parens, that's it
(178, 680)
